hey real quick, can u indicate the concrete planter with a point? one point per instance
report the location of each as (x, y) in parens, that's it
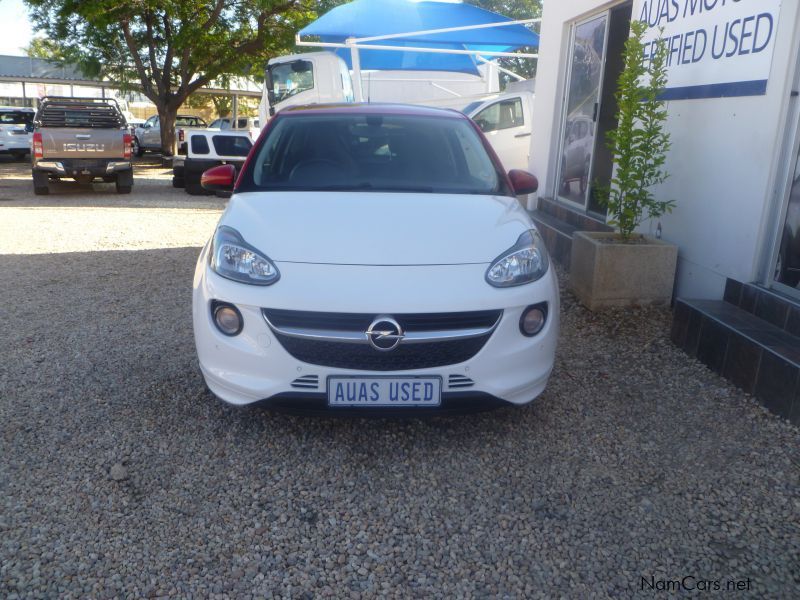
(605, 272)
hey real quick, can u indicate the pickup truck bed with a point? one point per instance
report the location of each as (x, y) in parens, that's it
(83, 139)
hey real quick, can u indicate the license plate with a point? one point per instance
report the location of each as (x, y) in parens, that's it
(384, 391)
(87, 163)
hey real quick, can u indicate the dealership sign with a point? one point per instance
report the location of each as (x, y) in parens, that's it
(715, 48)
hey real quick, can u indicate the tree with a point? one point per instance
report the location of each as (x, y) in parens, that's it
(44, 48)
(639, 142)
(515, 9)
(170, 48)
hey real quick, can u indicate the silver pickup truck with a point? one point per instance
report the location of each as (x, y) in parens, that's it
(83, 139)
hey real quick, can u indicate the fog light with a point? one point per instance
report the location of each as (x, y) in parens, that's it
(533, 319)
(227, 318)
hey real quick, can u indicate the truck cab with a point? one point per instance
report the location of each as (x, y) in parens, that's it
(310, 78)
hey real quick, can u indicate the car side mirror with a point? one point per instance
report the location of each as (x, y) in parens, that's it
(522, 182)
(219, 180)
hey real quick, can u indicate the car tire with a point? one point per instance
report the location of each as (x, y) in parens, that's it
(193, 188)
(137, 147)
(124, 182)
(178, 182)
(41, 185)
(18, 155)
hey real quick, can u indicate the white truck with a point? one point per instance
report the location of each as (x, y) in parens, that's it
(323, 77)
(207, 148)
(505, 120)
(250, 125)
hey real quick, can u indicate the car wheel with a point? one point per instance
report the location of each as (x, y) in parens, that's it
(18, 155)
(193, 188)
(136, 147)
(178, 182)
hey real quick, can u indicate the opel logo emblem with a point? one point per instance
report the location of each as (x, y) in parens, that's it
(384, 334)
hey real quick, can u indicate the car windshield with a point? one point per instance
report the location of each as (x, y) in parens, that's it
(15, 117)
(189, 122)
(470, 107)
(389, 153)
(288, 79)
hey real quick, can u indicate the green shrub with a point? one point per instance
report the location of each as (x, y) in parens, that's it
(639, 143)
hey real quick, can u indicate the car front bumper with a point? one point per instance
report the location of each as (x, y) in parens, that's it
(254, 367)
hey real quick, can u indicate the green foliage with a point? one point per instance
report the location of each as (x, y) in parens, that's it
(639, 142)
(45, 48)
(515, 9)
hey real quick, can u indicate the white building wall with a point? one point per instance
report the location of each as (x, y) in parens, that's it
(724, 164)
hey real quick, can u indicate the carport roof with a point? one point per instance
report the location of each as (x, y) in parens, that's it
(24, 68)
(421, 24)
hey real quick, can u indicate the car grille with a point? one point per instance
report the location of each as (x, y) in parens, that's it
(362, 356)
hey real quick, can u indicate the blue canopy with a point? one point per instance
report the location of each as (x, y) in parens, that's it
(367, 18)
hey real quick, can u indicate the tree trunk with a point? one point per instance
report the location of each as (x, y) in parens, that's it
(167, 115)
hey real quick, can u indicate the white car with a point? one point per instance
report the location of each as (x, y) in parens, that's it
(374, 258)
(16, 130)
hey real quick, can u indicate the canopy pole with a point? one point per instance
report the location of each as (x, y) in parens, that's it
(414, 49)
(356, 60)
(406, 34)
(501, 69)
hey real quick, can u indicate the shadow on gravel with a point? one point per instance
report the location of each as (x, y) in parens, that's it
(152, 185)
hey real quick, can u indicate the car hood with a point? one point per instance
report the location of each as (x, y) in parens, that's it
(360, 228)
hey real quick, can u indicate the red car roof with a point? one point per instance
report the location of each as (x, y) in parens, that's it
(373, 108)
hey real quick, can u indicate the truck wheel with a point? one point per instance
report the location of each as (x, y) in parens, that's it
(137, 147)
(124, 182)
(178, 182)
(40, 183)
(18, 155)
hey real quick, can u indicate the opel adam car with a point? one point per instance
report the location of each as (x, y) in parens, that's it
(374, 258)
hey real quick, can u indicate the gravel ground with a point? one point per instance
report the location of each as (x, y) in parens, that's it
(121, 476)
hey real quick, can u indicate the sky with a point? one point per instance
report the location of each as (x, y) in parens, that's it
(15, 30)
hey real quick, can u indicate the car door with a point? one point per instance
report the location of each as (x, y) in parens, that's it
(152, 135)
(507, 127)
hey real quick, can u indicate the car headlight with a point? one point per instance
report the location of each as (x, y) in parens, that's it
(524, 262)
(233, 258)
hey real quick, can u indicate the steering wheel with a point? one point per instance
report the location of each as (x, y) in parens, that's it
(320, 167)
